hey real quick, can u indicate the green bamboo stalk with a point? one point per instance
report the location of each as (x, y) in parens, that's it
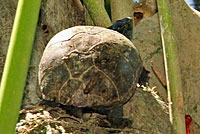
(121, 9)
(107, 7)
(17, 62)
(98, 13)
(172, 70)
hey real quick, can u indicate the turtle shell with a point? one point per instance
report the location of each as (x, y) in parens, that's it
(89, 66)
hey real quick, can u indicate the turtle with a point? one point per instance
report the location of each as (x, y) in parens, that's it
(91, 67)
(123, 26)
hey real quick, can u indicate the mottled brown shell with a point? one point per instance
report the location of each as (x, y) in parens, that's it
(87, 66)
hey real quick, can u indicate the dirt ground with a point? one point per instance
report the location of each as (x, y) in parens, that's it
(146, 111)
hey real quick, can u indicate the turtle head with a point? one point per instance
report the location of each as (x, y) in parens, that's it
(124, 27)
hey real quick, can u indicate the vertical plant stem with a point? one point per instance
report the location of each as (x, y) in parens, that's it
(17, 62)
(107, 7)
(121, 9)
(173, 75)
(98, 12)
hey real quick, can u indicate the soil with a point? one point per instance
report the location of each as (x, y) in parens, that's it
(146, 116)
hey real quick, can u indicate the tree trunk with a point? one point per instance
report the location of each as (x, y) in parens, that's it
(186, 23)
(54, 17)
(7, 13)
(121, 9)
(97, 12)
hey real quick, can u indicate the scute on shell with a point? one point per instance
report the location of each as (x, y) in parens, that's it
(89, 66)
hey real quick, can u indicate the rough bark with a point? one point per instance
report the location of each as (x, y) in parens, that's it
(54, 17)
(121, 9)
(187, 31)
(7, 13)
